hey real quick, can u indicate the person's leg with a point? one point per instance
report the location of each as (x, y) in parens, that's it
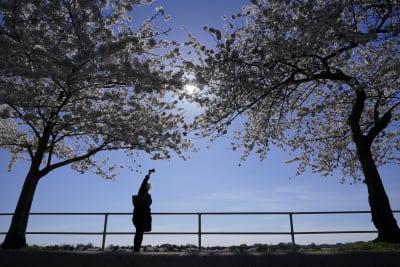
(137, 242)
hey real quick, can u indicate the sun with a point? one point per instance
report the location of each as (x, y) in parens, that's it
(190, 88)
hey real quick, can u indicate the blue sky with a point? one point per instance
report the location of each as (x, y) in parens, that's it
(210, 181)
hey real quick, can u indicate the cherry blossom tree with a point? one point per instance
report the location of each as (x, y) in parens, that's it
(78, 78)
(319, 78)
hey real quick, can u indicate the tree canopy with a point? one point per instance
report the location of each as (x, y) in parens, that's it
(293, 69)
(79, 77)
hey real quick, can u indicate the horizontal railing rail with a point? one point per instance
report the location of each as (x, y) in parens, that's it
(199, 231)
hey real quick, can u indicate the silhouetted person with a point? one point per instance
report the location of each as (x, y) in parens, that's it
(142, 212)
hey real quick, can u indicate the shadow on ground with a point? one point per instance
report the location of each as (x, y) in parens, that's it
(15, 258)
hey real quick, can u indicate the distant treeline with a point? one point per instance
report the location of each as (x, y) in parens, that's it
(244, 248)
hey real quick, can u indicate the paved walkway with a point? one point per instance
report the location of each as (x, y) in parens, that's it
(15, 258)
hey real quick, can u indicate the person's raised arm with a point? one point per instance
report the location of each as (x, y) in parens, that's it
(142, 188)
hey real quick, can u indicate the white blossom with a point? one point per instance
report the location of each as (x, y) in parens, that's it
(77, 77)
(290, 70)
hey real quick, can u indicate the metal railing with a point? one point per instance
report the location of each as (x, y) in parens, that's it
(199, 233)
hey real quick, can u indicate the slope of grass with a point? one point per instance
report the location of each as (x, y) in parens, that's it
(369, 247)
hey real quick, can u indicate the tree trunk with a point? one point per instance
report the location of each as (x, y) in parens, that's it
(15, 238)
(382, 214)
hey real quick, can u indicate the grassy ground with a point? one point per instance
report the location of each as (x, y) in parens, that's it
(369, 247)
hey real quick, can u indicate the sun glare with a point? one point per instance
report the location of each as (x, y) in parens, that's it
(190, 88)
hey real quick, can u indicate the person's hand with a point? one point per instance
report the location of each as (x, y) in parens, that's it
(148, 174)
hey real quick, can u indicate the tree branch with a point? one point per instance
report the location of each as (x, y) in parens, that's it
(379, 126)
(49, 168)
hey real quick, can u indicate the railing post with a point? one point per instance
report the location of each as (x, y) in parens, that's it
(199, 230)
(103, 243)
(292, 229)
